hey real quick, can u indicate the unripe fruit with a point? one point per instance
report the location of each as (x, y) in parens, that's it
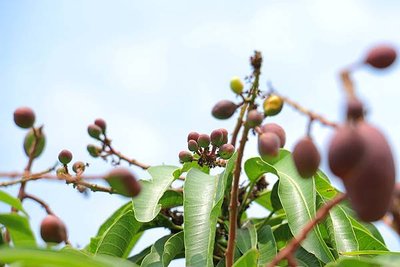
(78, 166)
(226, 151)
(93, 150)
(276, 129)
(254, 118)
(193, 136)
(371, 183)
(94, 131)
(354, 109)
(306, 157)
(272, 105)
(124, 182)
(30, 140)
(102, 124)
(24, 117)
(65, 156)
(224, 109)
(53, 230)
(225, 133)
(268, 146)
(381, 56)
(61, 172)
(203, 140)
(345, 150)
(217, 138)
(237, 85)
(185, 156)
(193, 146)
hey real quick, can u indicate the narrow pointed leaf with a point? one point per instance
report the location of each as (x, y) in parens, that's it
(146, 205)
(246, 238)
(203, 196)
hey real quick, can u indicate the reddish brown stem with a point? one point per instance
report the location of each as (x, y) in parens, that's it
(41, 202)
(290, 249)
(239, 124)
(125, 158)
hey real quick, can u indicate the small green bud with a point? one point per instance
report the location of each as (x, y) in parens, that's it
(30, 140)
(237, 85)
(93, 150)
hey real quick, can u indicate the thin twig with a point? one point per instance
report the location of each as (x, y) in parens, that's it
(311, 114)
(41, 202)
(290, 249)
(125, 158)
(239, 124)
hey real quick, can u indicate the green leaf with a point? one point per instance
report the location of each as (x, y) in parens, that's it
(339, 227)
(246, 238)
(138, 258)
(171, 199)
(382, 260)
(266, 245)
(371, 252)
(117, 235)
(298, 198)
(255, 167)
(203, 196)
(173, 248)
(249, 259)
(19, 229)
(12, 201)
(164, 251)
(45, 258)
(146, 204)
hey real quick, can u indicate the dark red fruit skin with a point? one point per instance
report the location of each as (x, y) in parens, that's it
(193, 146)
(254, 118)
(306, 157)
(193, 136)
(226, 151)
(354, 110)
(65, 156)
(101, 123)
(203, 140)
(277, 129)
(345, 150)
(24, 117)
(53, 230)
(225, 133)
(131, 186)
(185, 156)
(224, 109)
(268, 145)
(381, 56)
(217, 138)
(371, 183)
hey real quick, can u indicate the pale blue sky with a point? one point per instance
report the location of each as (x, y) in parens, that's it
(154, 69)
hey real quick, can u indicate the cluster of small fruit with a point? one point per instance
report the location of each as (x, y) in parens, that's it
(224, 109)
(97, 130)
(206, 149)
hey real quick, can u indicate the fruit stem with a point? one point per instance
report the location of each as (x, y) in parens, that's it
(41, 202)
(290, 249)
(234, 199)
